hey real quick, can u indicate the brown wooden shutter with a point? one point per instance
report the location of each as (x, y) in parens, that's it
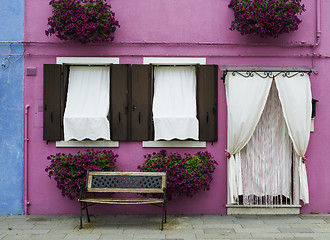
(141, 100)
(119, 101)
(207, 102)
(52, 113)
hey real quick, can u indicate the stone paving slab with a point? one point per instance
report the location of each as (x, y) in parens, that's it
(178, 227)
(320, 230)
(272, 235)
(216, 225)
(295, 230)
(258, 230)
(327, 225)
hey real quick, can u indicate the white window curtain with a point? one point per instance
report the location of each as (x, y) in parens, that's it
(246, 98)
(174, 103)
(267, 158)
(296, 98)
(87, 104)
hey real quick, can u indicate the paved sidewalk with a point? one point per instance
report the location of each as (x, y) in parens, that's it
(178, 227)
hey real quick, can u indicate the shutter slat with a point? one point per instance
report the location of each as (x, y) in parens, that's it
(207, 102)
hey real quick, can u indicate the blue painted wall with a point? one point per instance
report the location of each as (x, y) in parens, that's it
(11, 106)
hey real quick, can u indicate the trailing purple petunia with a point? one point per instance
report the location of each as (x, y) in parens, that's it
(69, 171)
(82, 20)
(266, 18)
(185, 175)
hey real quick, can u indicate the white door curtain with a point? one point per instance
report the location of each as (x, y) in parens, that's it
(267, 158)
(296, 98)
(87, 104)
(246, 99)
(174, 104)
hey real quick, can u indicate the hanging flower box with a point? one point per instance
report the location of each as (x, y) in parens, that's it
(82, 20)
(266, 18)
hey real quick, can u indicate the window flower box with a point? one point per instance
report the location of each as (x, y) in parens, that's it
(266, 18)
(82, 20)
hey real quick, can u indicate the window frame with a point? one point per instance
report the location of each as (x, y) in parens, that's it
(87, 61)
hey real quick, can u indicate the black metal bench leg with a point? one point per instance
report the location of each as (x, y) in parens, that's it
(81, 207)
(165, 215)
(87, 213)
(162, 226)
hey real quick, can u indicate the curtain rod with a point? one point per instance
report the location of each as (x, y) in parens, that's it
(175, 65)
(266, 73)
(267, 70)
(88, 65)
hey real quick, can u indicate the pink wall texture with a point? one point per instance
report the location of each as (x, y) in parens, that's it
(181, 28)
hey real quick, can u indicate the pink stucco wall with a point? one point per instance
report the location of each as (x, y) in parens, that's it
(181, 28)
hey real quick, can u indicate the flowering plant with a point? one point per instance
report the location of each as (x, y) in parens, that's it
(266, 18)
(185, 175)
(69, 171)
(82, 20)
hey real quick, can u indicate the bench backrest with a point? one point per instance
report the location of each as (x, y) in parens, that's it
(134, 182)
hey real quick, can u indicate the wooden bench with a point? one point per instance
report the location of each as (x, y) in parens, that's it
(124, 182)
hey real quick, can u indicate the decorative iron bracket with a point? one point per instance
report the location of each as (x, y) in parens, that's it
(265, 72)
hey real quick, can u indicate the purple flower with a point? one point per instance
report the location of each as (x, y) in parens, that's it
(266, 18)
(185, 174)
(69, 15)
(69, 171)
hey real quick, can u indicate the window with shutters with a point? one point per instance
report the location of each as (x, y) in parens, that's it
(134, 102)
(144, 81)
(79, 105)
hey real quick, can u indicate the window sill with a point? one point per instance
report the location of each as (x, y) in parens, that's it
(87, 144)
(191, 144)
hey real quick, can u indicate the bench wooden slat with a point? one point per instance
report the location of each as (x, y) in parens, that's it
(128, 173)
(123, 200)
(125, 190)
